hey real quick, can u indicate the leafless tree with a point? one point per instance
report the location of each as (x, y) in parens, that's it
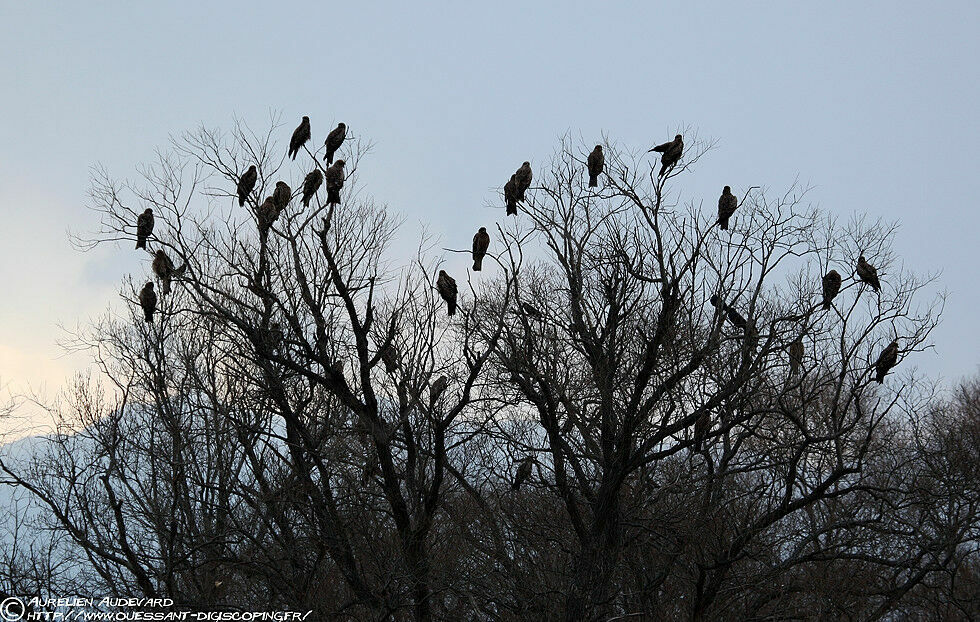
(611, 427)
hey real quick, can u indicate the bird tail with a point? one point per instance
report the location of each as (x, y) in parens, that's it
(452, 309)
(140, 242)
(241, 201)
(593, 181)
(511, 208)
(306, 201)
(723, 222)
(478, 264)
(148, 316)
(328, 157)
(826, 304)
(515, 485)
(333, 197)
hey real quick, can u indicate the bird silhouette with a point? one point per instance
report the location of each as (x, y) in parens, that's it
(795, 356)
(522, 178)
(671, 151)
(311, 184)
(245, 184)
(510, 195)
(727, 204)
(481, 241)
(867, 273)
(300, 135)
(437, 389)
(523, 473)
(886, 361)
(446, 286)
(334, 140)
(390, 357)
(701, 428)
(335, 182)
(164, 268)
(733, 316)
(144, 227)
(282, 195)
(595, 163)
(831, 287)
(148, 301)
(267, 214)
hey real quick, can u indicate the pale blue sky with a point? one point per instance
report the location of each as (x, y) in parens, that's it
(456, 96)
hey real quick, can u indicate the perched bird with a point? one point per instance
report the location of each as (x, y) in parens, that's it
(300, 135)
(446, 286)
(795, 356)
(733, 316)
(310, 185)
(481, 241)
(531, 311)
(701, 428)
(148, 300)
(510, 195)
(436, 390)
(867, 273)
(335, 181)
(164, 268)
(523, 473)
(886, 360)
(727, 204)
(595, 162)
(267, 214)
(736, 318)
(245, 184)
(334, 140)
(831, 287)
(389, 356)
(671, 151)
(523, 178)
(282, 195)
(144, 227)
(671, 302)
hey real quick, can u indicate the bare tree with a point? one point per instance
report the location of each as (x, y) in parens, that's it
(634, 415)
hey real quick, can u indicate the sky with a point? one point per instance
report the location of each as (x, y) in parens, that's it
(874, 104)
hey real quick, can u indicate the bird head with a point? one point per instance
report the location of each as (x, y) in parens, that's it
(678, 137)
(442, 273)
(527, 164)
(306, 119)
(149, 285)
(160, 254)
(715, 300)
(728, 190)
(342, 126)
(598, 147)
(861, 259)
(483, 229)
(148, 211)
(339, 163)
(251, 169)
